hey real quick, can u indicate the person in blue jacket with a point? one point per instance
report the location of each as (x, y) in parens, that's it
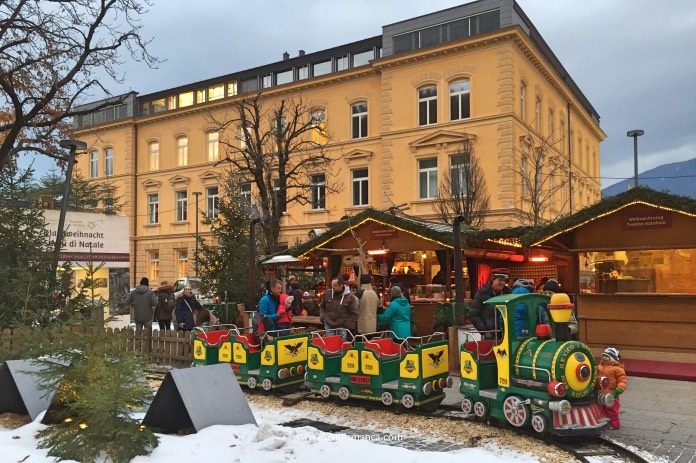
(398, 314)
(521, 314)
(268, 305)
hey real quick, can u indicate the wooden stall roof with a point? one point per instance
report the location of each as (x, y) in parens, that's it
(559, 233)
(440, 234)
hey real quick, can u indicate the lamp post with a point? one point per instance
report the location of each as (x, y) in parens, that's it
(196, 194)
(635, 134)
(73, 146)
(458, 274)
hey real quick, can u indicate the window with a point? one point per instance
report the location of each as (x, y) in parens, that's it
(342, 63)
(319, 135)
(460, 100)
(185, 99)
(153, 209)
(318, 187)
(267, 81)
(181, 206)
(551, 125)
(359, 119)
(212, 202)
(232, 88)
(182, 151)
(552, 190)
(153, 155)
(360, 187)
(302, 72)
(427, 178)
(158, 106)
(523, 101)
(459, 172)
(363, 58)
(213, 146)
(200, 96)
(182, 263)
(537, 114)
(280, 196)
(154, 265)
(109, 161)
(171, 102)
(427, 105)
(242, 139)
(319, 69)
(284, 77)
(246, 191)
(216, 92)
(94, 164)
(525, 178)
(561, 136)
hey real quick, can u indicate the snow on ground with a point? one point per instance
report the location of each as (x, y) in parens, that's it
(270, 443)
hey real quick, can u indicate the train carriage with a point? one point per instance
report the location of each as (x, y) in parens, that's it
(545, 381)
(412, 372)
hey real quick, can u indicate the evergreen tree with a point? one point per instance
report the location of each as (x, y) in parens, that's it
(26, 253)
(223, 263)
(100, 384)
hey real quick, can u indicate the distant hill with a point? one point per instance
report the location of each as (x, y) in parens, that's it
(662, 178)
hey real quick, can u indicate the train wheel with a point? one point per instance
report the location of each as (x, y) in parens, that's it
(343, 393)
(408, 401)
(467, 406)
(387, 398)
(540, 424)
(481, 410)
(325, 391)
(516, 413)
(266, 384)
(251, 382)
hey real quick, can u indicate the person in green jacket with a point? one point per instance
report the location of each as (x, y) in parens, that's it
(398, 314)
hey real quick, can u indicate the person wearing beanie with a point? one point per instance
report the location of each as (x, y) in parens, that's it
(368, 302)
(613, 369)
(143, 301)
(482, 315)
(552, 287)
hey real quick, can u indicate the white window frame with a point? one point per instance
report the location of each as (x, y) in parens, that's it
(427, 106)
(212, 201)
(523, 101)
(154, 265)
(93, 164)
(108, 161)
(182, 151)
(153, 155)
(213, 146)
(360, 187)
(429, 175)
(319, 136)
(458, 97)
(181, 205)
(359, 118)
(245, 188)
(537, 114)
(318, 189)
(153, 208)
(459, 164)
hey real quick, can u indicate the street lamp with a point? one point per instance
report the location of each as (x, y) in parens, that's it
(72, 145)
(635, 134)
(196, 194)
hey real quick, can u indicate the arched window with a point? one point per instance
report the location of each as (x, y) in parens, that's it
(427, 105)
(182, 151)
(460, 100)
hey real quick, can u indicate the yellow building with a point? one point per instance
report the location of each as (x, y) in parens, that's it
(398, 106)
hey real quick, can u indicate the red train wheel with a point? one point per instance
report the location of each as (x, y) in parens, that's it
(516, 412)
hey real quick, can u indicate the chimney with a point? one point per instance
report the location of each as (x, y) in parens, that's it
(301, 52)
(286, 56)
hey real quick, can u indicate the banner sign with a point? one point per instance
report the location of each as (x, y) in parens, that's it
(661, 219)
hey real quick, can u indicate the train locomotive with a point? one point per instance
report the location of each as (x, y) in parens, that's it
(547, 381)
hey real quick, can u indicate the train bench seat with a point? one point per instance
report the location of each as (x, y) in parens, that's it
(331, 345)
(250, 341)
(214, 338)
(482, 350)
(386, 348)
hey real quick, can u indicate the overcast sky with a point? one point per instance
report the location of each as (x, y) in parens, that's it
(633, 59)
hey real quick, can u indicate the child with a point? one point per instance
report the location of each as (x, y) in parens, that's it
(614, 371)
(285, 314)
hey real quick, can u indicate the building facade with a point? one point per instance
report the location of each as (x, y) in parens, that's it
(399, 107)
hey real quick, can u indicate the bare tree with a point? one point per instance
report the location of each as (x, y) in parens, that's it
(53, 55)
(463, 189)
(536, 166)
(282, 151)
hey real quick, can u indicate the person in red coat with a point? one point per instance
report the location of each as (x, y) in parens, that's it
(613, 369)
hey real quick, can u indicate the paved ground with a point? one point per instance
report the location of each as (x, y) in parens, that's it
(657, 416)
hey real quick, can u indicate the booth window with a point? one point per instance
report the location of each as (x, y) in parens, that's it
(663, 271)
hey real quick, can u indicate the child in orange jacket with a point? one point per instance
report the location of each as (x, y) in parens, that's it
(613, 369)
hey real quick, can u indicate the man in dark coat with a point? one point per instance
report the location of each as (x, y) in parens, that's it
(483, 315)
(339, 309)
(165, 305)
(143, 301)
(186, 308)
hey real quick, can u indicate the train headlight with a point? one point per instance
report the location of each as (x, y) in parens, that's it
(450, 381)
(427, 388)
(562, 406)
(603, 382)
(557, 389)
(606, 399)
(583, 372)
